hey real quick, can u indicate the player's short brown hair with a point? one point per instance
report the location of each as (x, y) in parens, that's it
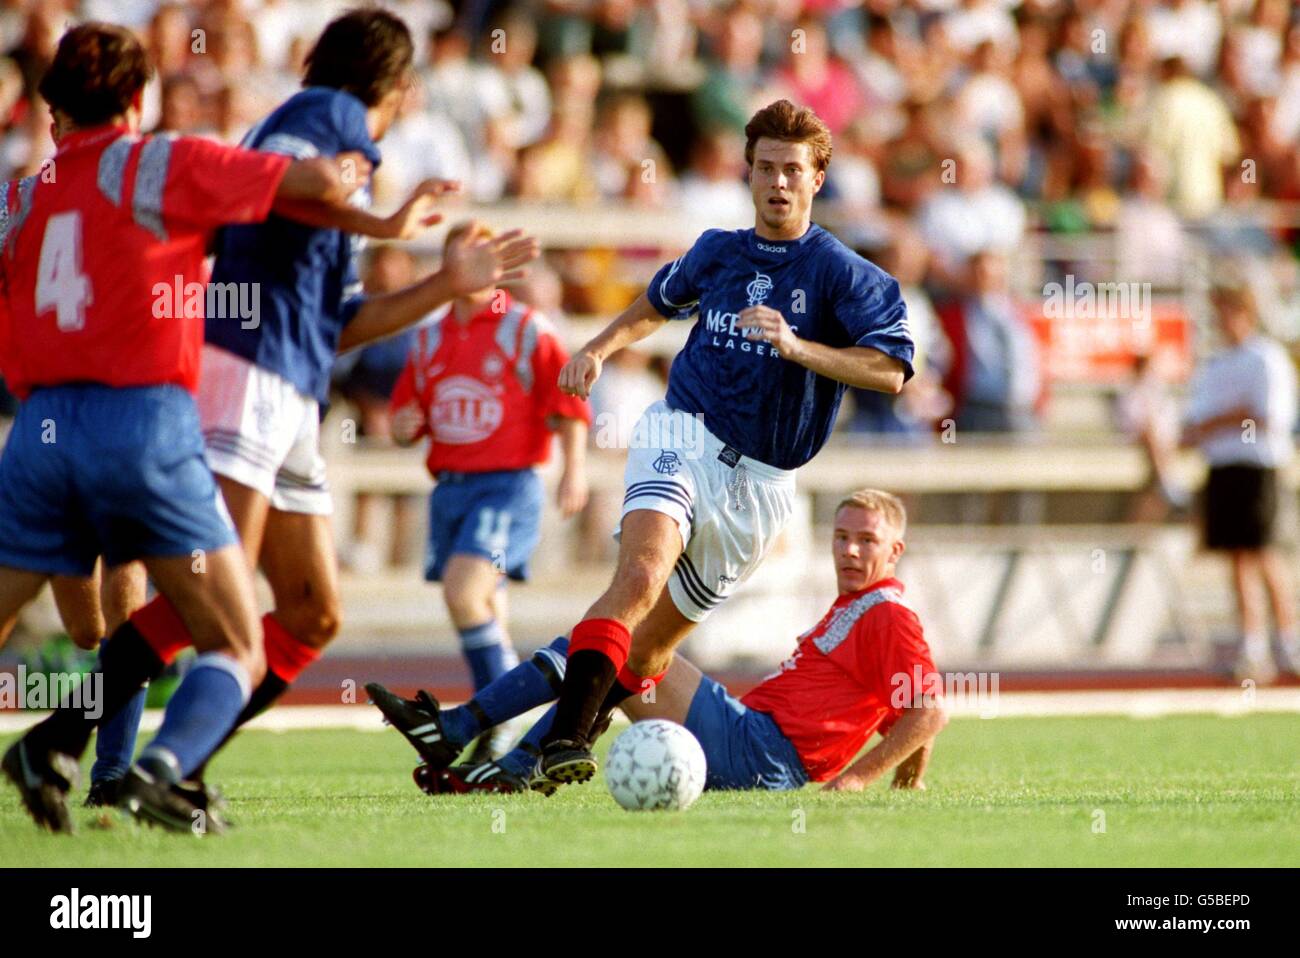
(367, 52)
(879, 501)
(96, 73)
(783, 120)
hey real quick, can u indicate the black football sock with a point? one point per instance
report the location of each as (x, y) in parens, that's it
(126, 663)
(270, 689)
(618, 694)
(587, 681)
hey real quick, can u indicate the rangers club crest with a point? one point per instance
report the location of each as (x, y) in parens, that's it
(758, 288)
(667, 464)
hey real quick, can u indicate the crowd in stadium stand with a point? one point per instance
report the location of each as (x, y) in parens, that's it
(960, 125)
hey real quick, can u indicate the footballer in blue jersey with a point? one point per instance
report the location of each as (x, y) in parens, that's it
(307, 277)
(751, 397)
(786, 318)
(266, 370)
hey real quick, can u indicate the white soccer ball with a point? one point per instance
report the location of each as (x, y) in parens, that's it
(655, 764)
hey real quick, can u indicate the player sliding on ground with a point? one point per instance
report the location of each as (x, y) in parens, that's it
(788, 316)
(262, 384)
(106, 456)
(480, 382)
(864, 667)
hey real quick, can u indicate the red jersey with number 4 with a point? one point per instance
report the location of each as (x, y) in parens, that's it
(853, 674)
(101, 255)
(486, 388)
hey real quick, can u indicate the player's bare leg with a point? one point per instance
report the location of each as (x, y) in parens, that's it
(469, 587)
(473, 589)
(165, 632)
(77, 599)
(649, 547)
(649, 659)
(213, 596)
(92, 607)
(1281, 596)
(249, 511)
(17, 588)
(123, 590)
(158, 621)
(672, 697)
(1253, 661)
(299, 563)
(216, 601)
(659, 633)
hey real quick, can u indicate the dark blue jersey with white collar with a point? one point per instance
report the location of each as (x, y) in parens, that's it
(769, 408)
(308, 287)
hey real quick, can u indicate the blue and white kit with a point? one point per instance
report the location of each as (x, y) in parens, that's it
(264, 379)
(719, 454)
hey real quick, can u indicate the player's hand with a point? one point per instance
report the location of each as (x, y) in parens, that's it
(765, 323)
(580, 374)
(571, 496)
(406, 424)
(845, 783)
(474, 264)
(353, 170)
(417, 213)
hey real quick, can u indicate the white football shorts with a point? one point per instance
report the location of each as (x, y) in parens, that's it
(261, 432)
(729, 508)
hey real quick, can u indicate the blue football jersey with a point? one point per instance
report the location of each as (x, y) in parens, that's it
(769, 408)
(308, 283)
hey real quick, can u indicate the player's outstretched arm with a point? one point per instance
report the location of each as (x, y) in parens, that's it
(469, 265)
(631, 326)
(859, 366)
(321, 181)
(915, 729)
(333, 212)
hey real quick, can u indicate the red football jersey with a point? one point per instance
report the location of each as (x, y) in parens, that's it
(485, 388)
(101, 255)
(853, 673)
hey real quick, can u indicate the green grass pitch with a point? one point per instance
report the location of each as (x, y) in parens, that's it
(1178, 791)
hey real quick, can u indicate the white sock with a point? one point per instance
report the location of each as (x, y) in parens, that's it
(1255, 645)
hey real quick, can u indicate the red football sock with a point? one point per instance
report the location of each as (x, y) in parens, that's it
(634, 684)
(609, 637)
(285, 655)
(162, 628)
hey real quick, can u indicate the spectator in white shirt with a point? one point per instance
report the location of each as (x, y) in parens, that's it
(1242, 409)
(975, 215)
